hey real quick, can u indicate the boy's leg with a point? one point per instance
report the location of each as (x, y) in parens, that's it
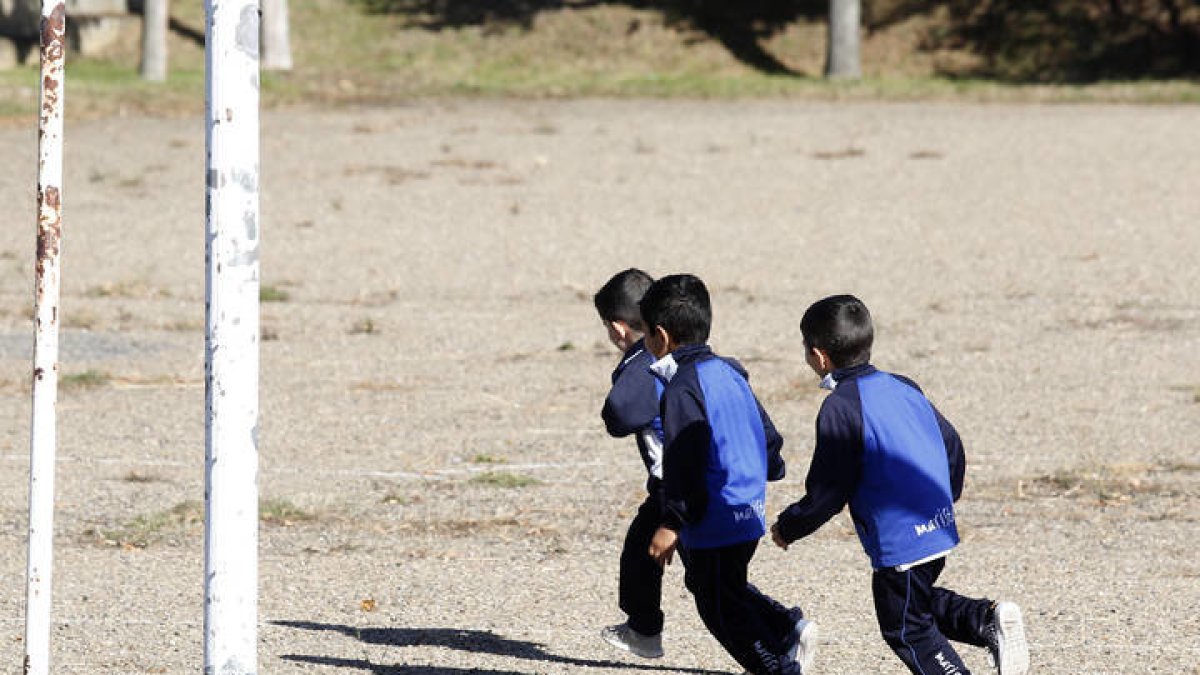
(640, 585)
(960, 618)
(780, 619)
(998, 626)
(796, 635)
(903, 605)
(717, 580)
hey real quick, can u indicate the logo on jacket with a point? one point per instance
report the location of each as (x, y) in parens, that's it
(755, 511)
(943, 518)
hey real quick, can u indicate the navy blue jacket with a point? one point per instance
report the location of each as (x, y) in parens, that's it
(631, 407)
(720, 449)
(886, 451)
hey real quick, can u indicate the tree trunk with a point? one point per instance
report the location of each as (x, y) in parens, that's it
(276, 43)
(154, 40)
(843, 55)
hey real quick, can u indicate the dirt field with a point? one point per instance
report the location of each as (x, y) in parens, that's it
(439, 495)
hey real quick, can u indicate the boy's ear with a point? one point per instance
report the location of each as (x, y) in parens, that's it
(823, 359)
(621, 328)
(665, 339)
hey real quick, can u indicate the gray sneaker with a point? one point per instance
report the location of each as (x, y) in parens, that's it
(624, 637)
(1006, 640)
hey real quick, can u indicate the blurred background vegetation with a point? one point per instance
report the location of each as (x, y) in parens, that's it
(382, 51)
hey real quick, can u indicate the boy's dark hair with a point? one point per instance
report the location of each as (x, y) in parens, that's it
(680, 304)
(840, 325)
(617, 300)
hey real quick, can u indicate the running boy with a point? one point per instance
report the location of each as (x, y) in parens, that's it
(631, 407)
(882, 448)
(720, 449)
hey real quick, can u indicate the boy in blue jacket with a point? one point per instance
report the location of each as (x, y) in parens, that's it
(886, 451)
(631, 408)
(719, 450)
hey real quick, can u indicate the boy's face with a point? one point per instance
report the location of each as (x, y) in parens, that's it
(621, 334)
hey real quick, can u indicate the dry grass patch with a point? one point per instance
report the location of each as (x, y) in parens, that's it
(1112, 484)
(504, 479)
(170, 526)
(87, 379)
(282, 512)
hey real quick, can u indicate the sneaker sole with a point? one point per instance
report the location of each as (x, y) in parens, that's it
(1014, 650)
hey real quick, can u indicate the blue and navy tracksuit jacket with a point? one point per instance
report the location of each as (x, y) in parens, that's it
(631, 407)
(886, 451)
(720, 449)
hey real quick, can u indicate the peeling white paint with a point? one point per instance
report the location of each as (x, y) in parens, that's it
(231, 344)
(43, 434)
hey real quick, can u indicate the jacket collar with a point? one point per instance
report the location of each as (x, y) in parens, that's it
(633, 351)
(842, 374)
(689, 353)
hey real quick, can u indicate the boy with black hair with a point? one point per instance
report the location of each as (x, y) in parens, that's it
(631, 407)
(883, 448)
(719, 450)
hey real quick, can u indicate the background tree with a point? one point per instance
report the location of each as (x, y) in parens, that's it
(843, 60)
(276, 40)
(154, 40)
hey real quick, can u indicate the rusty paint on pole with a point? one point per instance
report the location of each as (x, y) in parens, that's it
(43, 437)
(231, 338)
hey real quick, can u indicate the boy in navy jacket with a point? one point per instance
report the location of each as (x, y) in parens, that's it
(720, 449)
(631, 407)
(886, 451)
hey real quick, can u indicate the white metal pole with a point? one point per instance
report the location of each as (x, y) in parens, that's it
(231, 338)
(43, 440)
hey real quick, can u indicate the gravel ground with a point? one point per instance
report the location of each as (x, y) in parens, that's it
(442, 497)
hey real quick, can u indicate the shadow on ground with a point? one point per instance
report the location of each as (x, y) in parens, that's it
(1020, 41)
(739, 26)
(475, 641)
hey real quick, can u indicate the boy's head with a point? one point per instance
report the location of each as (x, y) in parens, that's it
(617, 304)
(838, 333)
(676, 311)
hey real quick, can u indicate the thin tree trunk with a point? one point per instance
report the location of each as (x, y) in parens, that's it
(276, 43)
(843, 55)
(154, 40)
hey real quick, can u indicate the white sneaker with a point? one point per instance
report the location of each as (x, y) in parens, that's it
(624, 637)
(1006, 640)
(804, 650)
(802, 645)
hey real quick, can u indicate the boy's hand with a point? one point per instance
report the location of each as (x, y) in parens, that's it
(778, 538)
(662, 546)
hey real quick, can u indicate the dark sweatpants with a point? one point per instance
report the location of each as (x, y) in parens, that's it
(918, 619)
(640, 584)
(751, 626)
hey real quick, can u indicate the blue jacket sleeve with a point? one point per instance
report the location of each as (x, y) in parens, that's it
(632, 403)
(833, 475)
(687, 437)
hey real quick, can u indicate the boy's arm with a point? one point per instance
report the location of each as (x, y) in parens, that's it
(776, 467)
(632, 403)
(832, 477)
(687, 437)
(954, 454)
